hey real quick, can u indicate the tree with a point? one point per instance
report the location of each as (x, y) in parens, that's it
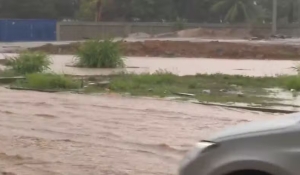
(28, 9)
(86, 10)
(91, 10)
(99, 7)
(291, 12)
(288, 10)
(116, 10)
(153, 10)
(236, 10)
(65, 8)
(150, 10)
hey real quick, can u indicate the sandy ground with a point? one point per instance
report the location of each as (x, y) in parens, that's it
(59, 134)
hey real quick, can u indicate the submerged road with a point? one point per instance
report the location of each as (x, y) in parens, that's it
(59, 134)
(181, 66)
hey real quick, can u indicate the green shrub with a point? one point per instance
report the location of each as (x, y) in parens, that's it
(49, 81)
(146, 80)
(179, 24)
(158, 77)
(8, 73)
(29, 62)
(296, 68)
(292, 82)
(100, 54)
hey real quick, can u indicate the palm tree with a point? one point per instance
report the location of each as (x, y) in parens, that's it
(91, 9)
(236, 10)
(99, 5)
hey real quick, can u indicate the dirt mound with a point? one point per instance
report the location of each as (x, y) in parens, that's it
(212, 49)
(58, 49)
(139, 35)
(215, 33)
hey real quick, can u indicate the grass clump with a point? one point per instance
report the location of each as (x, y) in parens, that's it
(292, 83)
(179, 24)
(211, 88)
(8, 73)
(142, 82)
(100, 54)
(29, 62)
(164, 83)
(48, 81)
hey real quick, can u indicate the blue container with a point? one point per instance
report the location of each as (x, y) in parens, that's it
(13, 30)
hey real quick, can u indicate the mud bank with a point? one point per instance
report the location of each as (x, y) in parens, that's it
(213, 49)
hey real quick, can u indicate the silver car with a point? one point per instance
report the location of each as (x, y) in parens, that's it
(258, 148)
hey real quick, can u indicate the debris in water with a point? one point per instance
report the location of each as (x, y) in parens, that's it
(184, 94)
(206, 91)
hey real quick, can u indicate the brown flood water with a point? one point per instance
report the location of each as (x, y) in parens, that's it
(59, 134)
(70, 134)
(182, 66)
(186, 66)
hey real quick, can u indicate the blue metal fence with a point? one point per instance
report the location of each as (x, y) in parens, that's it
(12, 30)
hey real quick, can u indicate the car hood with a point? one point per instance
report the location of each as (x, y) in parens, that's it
(261, 126)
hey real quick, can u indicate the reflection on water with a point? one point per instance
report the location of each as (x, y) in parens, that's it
(289, 100)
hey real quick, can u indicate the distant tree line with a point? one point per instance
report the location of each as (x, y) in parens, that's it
(209, 11)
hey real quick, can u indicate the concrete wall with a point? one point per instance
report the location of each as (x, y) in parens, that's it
(83, 30)
(67, 31)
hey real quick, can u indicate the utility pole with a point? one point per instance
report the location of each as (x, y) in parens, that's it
(274, 18)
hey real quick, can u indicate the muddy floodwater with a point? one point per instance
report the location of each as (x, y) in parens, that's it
(181, 66)
(70, 134)
(184, 66)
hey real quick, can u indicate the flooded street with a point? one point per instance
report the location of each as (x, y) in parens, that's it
(184, 66)
(181, 66)
(58, 134)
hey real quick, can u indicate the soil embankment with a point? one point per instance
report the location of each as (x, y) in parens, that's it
(213, 49)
